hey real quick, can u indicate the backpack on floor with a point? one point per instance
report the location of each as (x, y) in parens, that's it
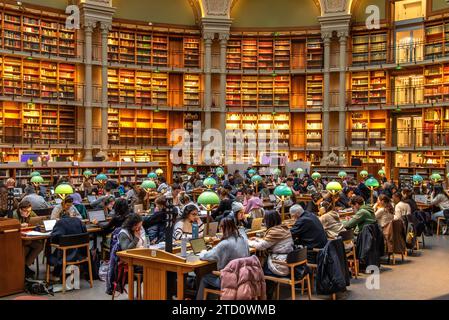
(38, 287)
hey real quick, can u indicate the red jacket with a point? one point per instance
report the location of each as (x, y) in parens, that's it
(243, 279)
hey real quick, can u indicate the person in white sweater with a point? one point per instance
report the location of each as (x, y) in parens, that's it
(401, 209)
(384, 210)
(440, 199)
(183, 228)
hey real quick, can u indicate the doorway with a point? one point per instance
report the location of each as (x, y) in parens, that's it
(408, 130)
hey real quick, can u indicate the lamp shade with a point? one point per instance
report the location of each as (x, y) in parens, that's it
(299, 171)
(334, 187)
(64, 189)
(37, 179)
(372, 183)
(277, 172)
(101, 177)
(218, 169)
(251, 172)
(191, 170)
(381, 173)
(152, 175)
(209, 182)
(208, 198)
(283, 190)
(447, 175)
(316, 176)
(364, 173)
(256, 179)
(159, 171)
(220, 173)
(35, 174)
(148, 184)
(417, 179)
(87, 173)
(435, 177)
(342, 174)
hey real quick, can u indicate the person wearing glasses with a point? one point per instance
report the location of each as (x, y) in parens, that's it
(183, 228)
(31, 249)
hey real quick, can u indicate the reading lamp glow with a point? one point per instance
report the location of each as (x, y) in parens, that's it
(63, 190)
(283, 192)
(208, 199)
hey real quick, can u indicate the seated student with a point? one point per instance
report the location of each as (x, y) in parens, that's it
(313, 205)
(330, 220)
(344, 197)
(279, 243)
(65, 208)
(307, 230)
(163, 186)
(183, 228)
(31, 249)
(108, 205)
(66, 225)
(401, 208)
(384, 210)
(238, 214)
(78, 203)
(364, 215)
(155, 223)
(233, 245)
(252, 202)
(121, 212)
(439, 198)
(132, 234)
(37, 202)
(407, 197)
(225, 205)
(98, 204)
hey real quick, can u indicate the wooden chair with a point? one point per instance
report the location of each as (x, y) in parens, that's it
(440, 222)
(212, 291)
(295, 258)
(69, 242)
(348, 238)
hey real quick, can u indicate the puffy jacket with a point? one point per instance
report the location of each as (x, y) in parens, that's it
(394, 234)
(332, 268)
(370, 245)
(243, 279)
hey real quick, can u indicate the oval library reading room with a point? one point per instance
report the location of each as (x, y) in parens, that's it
(214, 150)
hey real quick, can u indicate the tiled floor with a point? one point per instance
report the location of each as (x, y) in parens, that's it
(422, 276)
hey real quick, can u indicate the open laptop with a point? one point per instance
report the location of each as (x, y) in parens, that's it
(198, 245)
(97, 215)
(256, 224)
(17, 192)
(49, 225)
(213, 227)
(37, 221)
(91, 198)
(272, 197)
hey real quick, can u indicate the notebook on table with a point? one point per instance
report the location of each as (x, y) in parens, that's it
(198, 245)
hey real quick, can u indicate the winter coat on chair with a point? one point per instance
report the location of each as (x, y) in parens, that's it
(332, 268)
(243, 279)
(370, 245)
(394, 234)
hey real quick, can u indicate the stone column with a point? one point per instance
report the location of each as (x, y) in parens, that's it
(224, 37)
(105, 28)
(88, 29)
(326, 91)
(342, 35)
(208, 37)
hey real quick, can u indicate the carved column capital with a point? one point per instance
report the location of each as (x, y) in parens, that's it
(105, 27)
(208, 36)
(342, 35)
(326, 36)
(89, 25)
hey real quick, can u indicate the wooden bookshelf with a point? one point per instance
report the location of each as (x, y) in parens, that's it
(130, 127)
(369, 48)
(314, 131)
(192, 86)
(262, 92)
(135, 44)
(41, 35)
(368, 129)
(404, 174)
(126, 86)
(368, 156)
(37, 79)
(368, 88)
(40, 124)
(315, 51)
(314, 91)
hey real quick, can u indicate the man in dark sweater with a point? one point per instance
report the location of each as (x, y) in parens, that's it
(307, 230)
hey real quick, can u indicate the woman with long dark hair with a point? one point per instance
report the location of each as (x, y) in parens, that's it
(233, 245)
(121, 212)
(439, 198)
(132, 234)
(384, 210)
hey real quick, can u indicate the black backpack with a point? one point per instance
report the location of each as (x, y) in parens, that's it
(95, 262)
(38, 287)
